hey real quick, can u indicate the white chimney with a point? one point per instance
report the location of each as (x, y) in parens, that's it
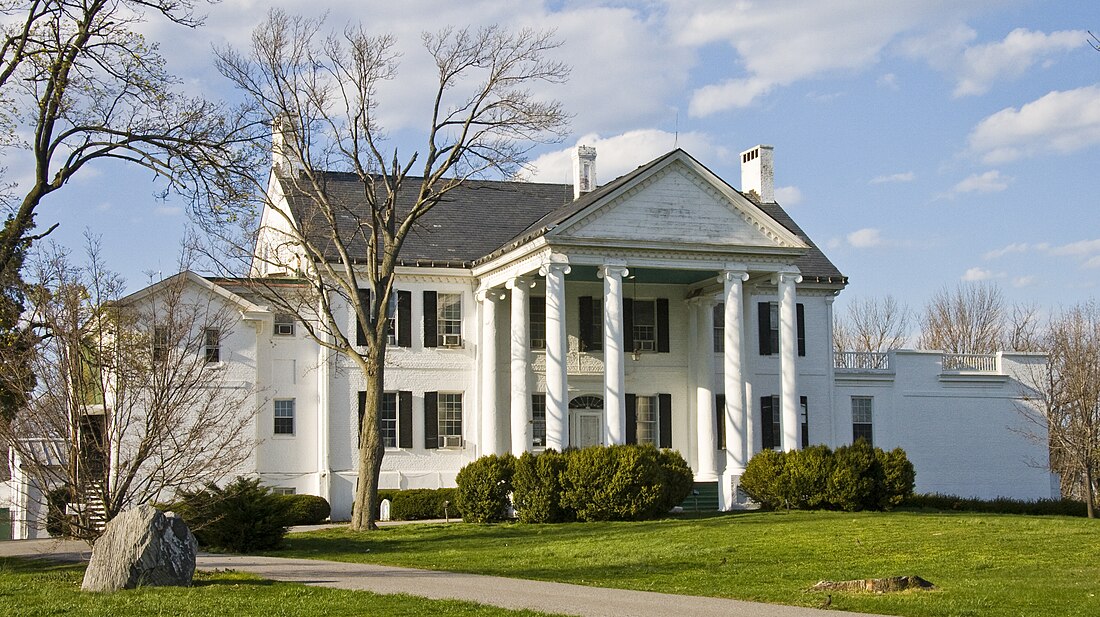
(283, 159)
(584, 170)
(758, 173)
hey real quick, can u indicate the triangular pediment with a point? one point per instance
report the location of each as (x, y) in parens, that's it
(679, 201)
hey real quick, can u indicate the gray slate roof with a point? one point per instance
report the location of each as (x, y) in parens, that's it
(483, 218)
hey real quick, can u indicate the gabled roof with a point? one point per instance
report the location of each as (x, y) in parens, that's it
(189, 277)
(482, 218)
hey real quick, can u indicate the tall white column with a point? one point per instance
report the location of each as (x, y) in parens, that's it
(706, 433)
(737, 448)
(490, 441)
(519, 346)
(788, 345)
(614, 375)
(557, 376)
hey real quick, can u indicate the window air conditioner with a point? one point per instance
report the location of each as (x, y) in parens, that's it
(452, 441)
(452, 340)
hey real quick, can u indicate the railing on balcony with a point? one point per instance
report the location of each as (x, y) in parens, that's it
(861, 361)
(985, 363)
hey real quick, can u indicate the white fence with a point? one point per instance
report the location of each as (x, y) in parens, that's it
(861, 361)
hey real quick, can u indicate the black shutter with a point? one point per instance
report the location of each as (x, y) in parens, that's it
(806, 422)
(431, 418)
(362, 412)
(364, 301)
(631, 419)
(628, 325)
(404, 319)
(800, 312)
(430, 334)
(662, 327)
(664, 428)
(767, 429)
(720, 419)
(404, 419)
(584, 320)
(764, 310)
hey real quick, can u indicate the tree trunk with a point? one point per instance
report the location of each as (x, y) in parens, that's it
(1090, 495)
(371, 448)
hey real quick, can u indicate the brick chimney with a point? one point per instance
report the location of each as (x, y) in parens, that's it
(758, 173)
(584, 171)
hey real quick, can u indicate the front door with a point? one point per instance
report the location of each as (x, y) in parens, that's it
(589, 428)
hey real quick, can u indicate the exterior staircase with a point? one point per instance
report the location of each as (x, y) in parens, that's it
(703, 498)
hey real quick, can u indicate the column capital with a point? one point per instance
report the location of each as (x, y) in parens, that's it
(789, 274)
(556, 267)
(519, 282)
(490, 295)
(613, 270)
(737, 274)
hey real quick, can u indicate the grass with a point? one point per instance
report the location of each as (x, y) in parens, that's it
(42, 588)
(982, 564)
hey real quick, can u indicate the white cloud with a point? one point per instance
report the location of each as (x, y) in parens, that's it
(1061, 122)
(1092, 263)
(977, 274)
(1019, 247)
(788, 195)
(1024, 281)
(906, 176)
(982, 65)
(988, 182)
(889, 80)
(865, 238)
(619, 154)
(1081, 248)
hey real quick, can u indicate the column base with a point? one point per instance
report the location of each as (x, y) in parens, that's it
(731, 497)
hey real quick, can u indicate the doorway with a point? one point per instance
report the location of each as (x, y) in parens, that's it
(586, 417)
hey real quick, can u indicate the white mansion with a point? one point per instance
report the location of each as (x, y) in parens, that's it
(663, 307)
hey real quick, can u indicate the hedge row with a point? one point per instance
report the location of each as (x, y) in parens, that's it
(855, 477)
(420, 503)
(1000, 505)
(600, 483)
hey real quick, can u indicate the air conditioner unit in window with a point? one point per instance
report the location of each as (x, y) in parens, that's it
(452, 441)
(452, 340)
(284, 329)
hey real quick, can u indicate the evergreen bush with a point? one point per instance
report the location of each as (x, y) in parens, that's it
(305, 509)
(536, 487)
(420, 504)
(613, 483)
(243, 517)
(899, 476)
(857, 481)
(677, 480)
(484, 487)
(807, 473)
(764, 478)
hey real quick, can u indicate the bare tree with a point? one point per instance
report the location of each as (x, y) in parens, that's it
(1065, 400)
(872, 325)
(129, 407)
(82, 85)
(1023, 328)
(321, 96)
(968, 319)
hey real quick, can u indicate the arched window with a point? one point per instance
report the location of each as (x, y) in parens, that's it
(586, 402)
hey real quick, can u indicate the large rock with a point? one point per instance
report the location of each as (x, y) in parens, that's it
(142, 547)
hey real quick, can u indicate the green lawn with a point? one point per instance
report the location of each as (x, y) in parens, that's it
(38, 588)
(982, 564)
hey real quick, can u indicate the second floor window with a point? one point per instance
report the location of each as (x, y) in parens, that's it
(212, 344)
(449, 321)
(160, 343)
(536, 311)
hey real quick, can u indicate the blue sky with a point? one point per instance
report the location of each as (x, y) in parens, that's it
(919, 145)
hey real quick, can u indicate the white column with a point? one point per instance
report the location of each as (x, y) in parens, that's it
(488, 367)
(557, 377)
(614, 375)
(519, 345)
(788, 346)
(737, 450)
(706, 433)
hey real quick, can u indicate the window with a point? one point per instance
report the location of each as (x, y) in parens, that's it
(160, 343)
(282, 490)
(536, 311)
(645, 325)
(804, 403)
(284, 416)
(768, 314)
(388, 419)
(212, 344)
(538, 420)
(647, 419)
(590, 323)
(861, 418)
(284, 324)
(449, 321)
(719, 328)
(771, 429)
(450, 419)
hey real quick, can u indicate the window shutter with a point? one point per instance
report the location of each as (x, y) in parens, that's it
(430, 330)
(802, 400)
(800, 314)
(404, 319)
(664, 429)
(662, 325)
(431, 418)
(584, 320)
(631, 419)
(764, 310)
(364, 301)
(628, 326)
(767, 431)
(362, 412)
(405, 419)
(720, 418)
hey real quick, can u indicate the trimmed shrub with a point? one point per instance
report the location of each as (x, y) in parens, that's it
(1000, 505)
(536, 487)
(677, 480)
(764, 479)
(899, 476)
(857, 481)
(807, 475)
(305, 509)
(420, 504)
(243, 517)
(483, 488)
(614, 483)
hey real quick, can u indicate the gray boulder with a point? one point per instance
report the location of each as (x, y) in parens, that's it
(142, 547)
